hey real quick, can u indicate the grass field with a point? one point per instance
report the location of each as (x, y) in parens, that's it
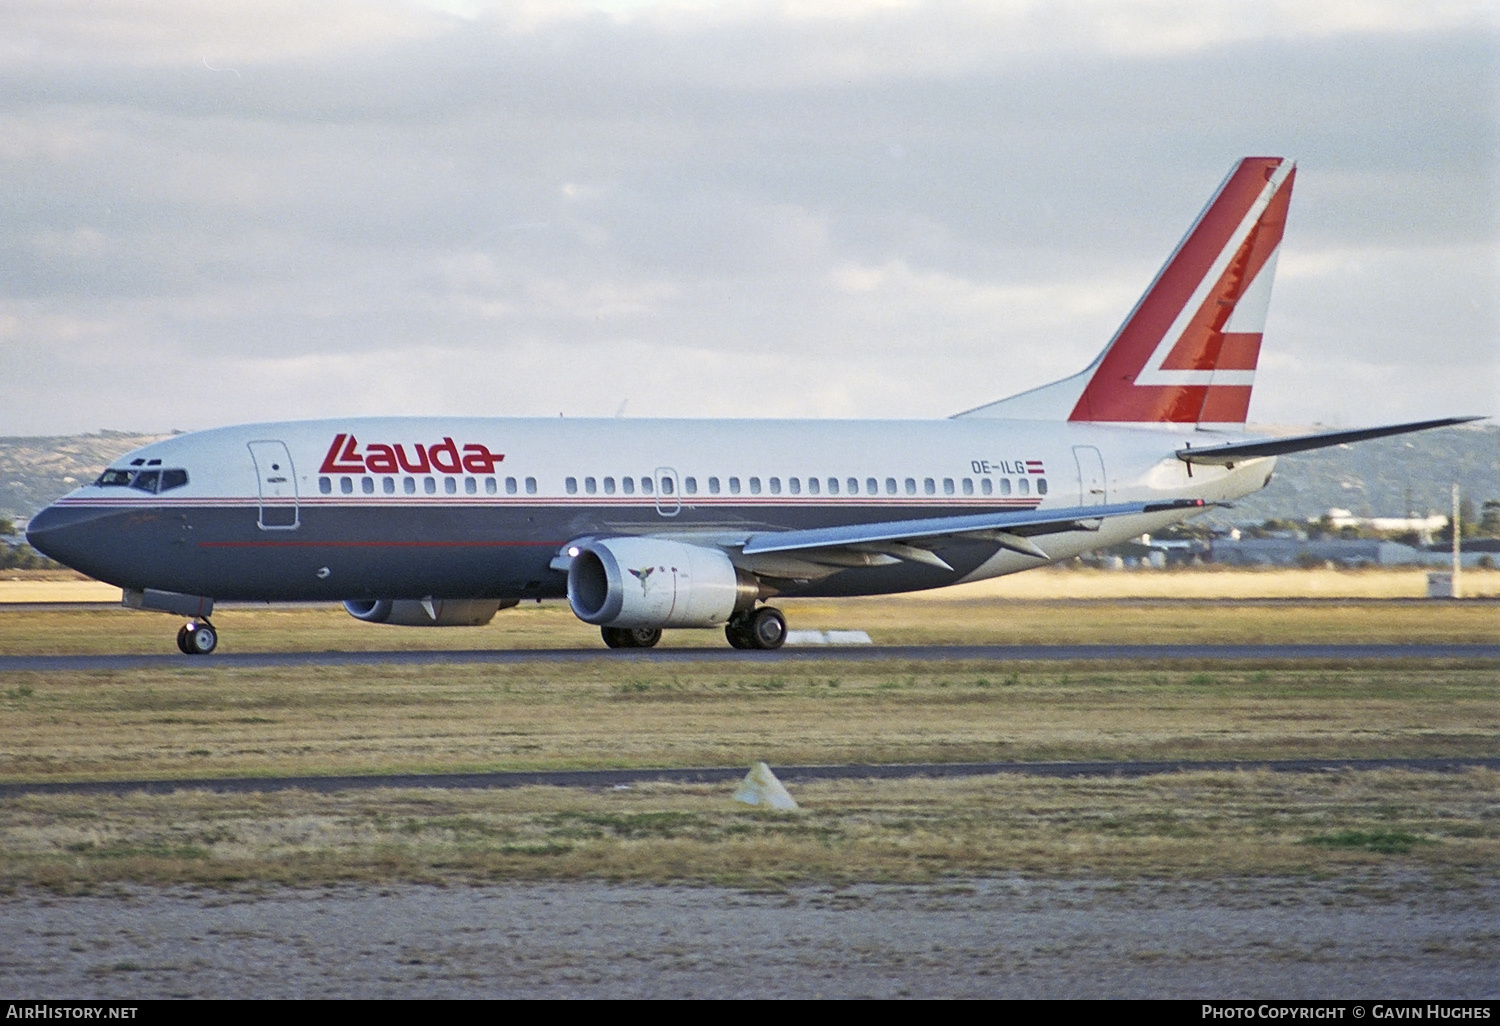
(890, 621)
(197, 718)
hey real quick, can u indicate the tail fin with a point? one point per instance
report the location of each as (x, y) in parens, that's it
(1187, 352)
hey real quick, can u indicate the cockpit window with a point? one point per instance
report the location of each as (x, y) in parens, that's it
(153, 481)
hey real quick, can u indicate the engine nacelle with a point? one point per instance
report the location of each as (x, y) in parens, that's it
(649, 582)
(428, 612)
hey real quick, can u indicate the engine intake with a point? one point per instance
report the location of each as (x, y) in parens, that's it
(427, 612)
(650, 582)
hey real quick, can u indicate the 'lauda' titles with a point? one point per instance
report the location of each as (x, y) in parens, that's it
(344, 457)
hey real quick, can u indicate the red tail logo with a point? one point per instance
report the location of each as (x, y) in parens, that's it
(1188, 351)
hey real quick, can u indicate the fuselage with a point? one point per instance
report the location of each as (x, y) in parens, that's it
(393, 508)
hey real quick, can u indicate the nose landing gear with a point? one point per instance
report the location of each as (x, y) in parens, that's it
(197, 638)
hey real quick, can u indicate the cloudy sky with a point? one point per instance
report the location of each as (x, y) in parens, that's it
(221, 212)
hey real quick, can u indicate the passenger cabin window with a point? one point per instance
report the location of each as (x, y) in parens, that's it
(645, 486)
(853, 484)
(1004, 486)
(833, 485)
(872, 486)
(531, 486)
(911, 486)
(713, 486)
(325, 485)
(490, 486)
(666, 486)
(388, 485)
(409, 485)
(775, 486)
(794, 485)
(734, 486)
(450, 485)
(627, 485)
(571, 484)
(690, 485)
(590, 485)
(930, 486)
(1023, 486)
(609, 486)
(510, 486)
(346, 485)
(1041, 486)
(985, 485)
(471, 487)
(968, 486)
(755, 486)
(812, 485)
(429, 485)
(367, 485)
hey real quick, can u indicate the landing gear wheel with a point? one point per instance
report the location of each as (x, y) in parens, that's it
(738, 634)
(197, 638)
(766, 628)
(631, 637)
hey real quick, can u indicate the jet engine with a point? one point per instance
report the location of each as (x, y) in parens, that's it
(650, 583)
(427, 612)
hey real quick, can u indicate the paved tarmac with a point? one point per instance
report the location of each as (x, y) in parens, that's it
(719, 774)
(831, 653)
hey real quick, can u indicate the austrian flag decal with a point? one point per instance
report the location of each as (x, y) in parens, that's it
(344, 457)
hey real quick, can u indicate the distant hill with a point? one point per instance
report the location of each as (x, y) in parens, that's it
(1389, 476)
(1385, 477)
(35, 471)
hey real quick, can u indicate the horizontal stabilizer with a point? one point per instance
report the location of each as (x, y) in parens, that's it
(1007, 529)
(1236, 451)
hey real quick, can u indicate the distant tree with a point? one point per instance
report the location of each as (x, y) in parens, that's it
(1489, 518)
(7, 525)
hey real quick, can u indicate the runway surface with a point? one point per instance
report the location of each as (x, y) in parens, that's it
(861, 653)
(724, 774)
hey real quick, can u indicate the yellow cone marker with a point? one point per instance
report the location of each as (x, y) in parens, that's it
(760, 787)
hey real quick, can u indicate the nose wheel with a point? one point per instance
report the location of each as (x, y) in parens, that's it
(197, 638)
(764, 628)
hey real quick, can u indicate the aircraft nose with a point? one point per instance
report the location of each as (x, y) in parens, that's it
(42, 531)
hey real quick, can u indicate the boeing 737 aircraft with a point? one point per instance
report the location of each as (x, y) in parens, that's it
(649, 524)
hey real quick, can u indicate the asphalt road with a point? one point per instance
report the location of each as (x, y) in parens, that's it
(861, 653)
(720, 774)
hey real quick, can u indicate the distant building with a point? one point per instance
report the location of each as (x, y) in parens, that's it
(1346, 552)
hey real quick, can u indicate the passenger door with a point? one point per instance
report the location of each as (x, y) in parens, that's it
(1092, 490)
(278, 486)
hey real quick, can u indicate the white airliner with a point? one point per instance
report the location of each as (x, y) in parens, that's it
(647, 524)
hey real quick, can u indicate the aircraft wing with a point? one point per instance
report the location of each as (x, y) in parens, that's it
(1237, 451)
(913, 540)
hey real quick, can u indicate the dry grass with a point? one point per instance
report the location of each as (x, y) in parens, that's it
(1203, 824)
(890, 621)
(198, 720)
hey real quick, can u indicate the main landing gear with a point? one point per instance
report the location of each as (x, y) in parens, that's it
(631, 637)
(197, 638)
(763, 628)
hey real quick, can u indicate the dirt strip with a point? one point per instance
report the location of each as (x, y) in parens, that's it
(718, 774)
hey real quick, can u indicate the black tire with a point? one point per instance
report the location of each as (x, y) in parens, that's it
(767, 628)
(630, 637)
(182, 639)
(734, 631)
(201, 638)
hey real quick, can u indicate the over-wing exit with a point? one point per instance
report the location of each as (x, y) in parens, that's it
(643, 525)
